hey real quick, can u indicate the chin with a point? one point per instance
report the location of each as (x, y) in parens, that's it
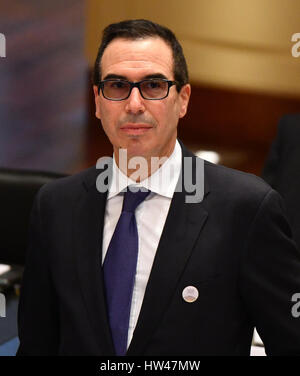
(137, 148)
(136, 152)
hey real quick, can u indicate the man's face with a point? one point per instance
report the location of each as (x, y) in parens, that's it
(143, 127)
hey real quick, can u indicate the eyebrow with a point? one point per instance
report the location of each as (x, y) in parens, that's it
(155, 75)
(114, 76)
(147, 77)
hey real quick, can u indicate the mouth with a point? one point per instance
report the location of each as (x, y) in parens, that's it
(135, 128)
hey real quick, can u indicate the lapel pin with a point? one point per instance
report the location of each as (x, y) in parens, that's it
(190, 294)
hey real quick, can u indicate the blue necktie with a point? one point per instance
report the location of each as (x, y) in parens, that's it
(119, 270)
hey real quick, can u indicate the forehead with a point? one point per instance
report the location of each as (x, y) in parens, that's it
(137, 58)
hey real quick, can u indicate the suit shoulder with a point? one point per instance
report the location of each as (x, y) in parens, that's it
(241, 192)
(234, 182)
(68, 186)
(229, 181)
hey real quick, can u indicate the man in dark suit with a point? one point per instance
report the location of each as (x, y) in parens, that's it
(207, 271)
(282, 168)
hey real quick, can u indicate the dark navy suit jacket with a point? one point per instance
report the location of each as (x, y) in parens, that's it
(234, 246)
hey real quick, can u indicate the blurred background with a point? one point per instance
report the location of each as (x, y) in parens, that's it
(243, 76)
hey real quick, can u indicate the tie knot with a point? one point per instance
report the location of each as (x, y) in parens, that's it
(133, 199)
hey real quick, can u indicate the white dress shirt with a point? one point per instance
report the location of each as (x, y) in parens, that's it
(150, 216)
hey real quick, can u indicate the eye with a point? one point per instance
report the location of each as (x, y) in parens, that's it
(117, 84)
(154, 84)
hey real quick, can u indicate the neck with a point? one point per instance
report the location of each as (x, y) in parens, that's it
(138, 167)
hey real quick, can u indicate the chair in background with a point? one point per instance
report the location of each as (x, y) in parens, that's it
(17, 191)
(282, 168)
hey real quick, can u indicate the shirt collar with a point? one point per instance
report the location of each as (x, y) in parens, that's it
(162, 182)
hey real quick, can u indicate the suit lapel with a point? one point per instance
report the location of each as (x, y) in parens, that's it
(88, 220)
(182, 228)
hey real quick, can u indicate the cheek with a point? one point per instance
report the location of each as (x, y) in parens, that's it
(108, 117)
(170, 115)
(163, 114)
(107, 124)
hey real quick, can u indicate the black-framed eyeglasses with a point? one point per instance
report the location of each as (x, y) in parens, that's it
(151, 89)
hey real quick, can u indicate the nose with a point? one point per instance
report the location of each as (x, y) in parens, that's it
(135, 102)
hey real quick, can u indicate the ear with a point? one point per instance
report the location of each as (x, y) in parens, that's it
(184, 96)
(97, 97)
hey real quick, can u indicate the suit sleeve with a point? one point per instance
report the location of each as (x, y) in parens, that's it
(38, 314)
(270, 276)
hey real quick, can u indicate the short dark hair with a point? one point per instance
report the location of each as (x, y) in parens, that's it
(136, 29)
